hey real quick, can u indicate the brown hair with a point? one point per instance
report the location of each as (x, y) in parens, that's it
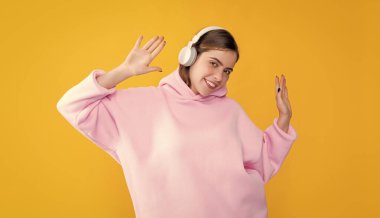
(219, 39)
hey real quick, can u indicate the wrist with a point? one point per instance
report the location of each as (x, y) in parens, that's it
(283, 123)
(122, 71)
(285, 115)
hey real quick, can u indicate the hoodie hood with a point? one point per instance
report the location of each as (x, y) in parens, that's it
(175, 85)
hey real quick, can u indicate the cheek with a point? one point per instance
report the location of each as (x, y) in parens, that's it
(201, 72)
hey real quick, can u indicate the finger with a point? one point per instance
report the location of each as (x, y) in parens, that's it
(285, 89)
(150, 69)
(155, 44)
(286, 93)
(282, 84)
(279, 90)
(283, 93)
(137, 44)
(282, 81)
(158, 49)
(150, 42)
(277, 85)
(286, 99)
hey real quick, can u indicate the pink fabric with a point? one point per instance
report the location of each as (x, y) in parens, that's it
(183, 155)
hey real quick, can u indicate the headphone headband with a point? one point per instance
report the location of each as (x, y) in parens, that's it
(204, 31)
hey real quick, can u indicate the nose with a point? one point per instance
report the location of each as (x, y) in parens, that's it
(218, 76)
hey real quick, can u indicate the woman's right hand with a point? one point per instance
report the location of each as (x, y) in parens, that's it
(138, 59)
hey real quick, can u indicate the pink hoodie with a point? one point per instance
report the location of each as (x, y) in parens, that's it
(183, 155)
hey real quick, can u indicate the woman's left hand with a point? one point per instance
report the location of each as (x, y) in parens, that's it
(282, 100)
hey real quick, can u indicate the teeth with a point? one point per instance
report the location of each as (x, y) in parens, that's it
(210, 83)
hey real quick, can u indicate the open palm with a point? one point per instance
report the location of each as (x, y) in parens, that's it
(282, 99)
(138, 59)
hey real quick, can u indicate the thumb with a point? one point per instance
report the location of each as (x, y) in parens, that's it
(150, 69)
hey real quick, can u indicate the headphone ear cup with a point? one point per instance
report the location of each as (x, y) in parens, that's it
(187, 56)
(182, 56)
(192, 56)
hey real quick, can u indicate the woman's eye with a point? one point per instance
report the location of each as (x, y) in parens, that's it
(215, 65)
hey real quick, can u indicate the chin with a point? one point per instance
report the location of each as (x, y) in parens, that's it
(204, 93)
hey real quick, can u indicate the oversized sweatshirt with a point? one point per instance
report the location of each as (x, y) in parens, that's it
(183, 155)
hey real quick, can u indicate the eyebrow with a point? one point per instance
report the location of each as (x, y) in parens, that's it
(221, 63)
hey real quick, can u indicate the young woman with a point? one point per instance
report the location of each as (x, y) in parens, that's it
(186, 149)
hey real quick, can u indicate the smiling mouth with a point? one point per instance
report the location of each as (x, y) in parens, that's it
(210, 84)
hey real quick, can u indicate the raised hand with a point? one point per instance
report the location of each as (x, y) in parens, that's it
(138, 59)
(282, 100)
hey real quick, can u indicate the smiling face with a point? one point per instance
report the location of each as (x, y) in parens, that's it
(213, 66)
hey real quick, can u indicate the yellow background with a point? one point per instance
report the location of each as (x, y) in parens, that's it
(328, 51)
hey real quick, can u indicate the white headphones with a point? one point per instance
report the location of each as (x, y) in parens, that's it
(188, 54)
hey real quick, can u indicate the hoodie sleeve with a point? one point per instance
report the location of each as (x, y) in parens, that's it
(91, 109)
(264, 151)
